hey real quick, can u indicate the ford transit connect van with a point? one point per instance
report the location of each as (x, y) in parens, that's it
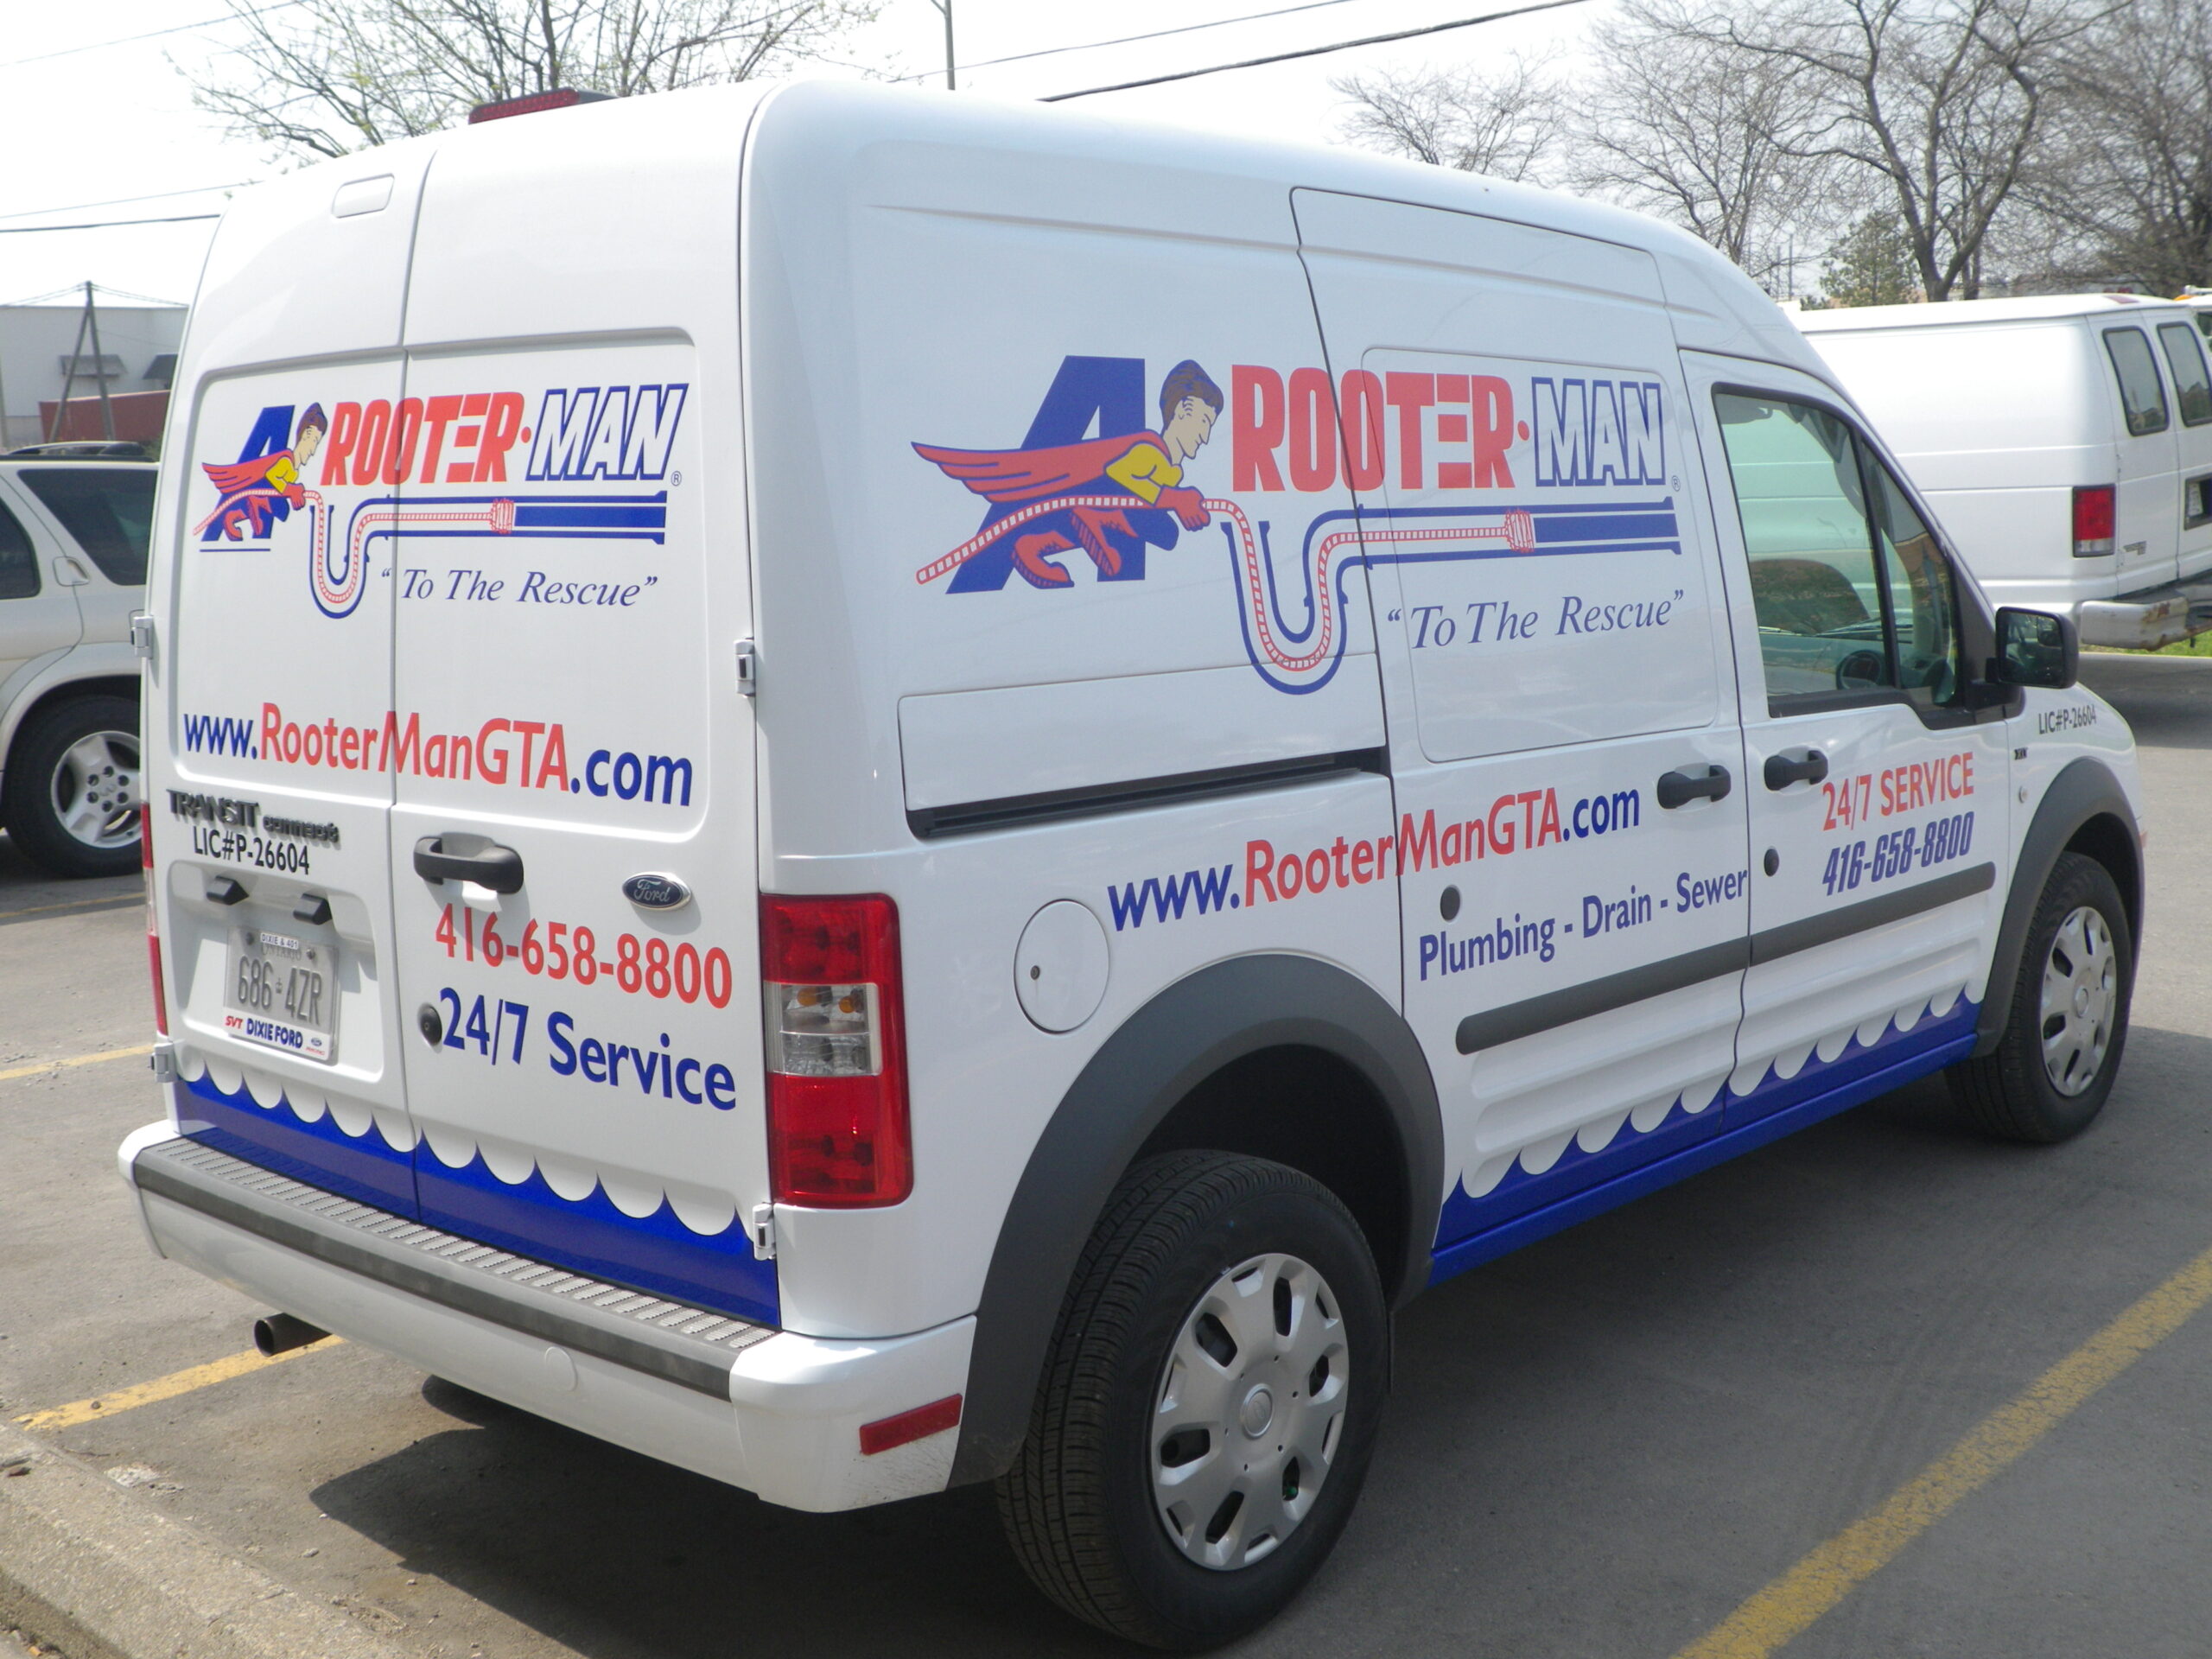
(869, 791)
(2066, 441)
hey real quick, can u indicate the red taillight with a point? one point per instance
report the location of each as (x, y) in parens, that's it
(2093, 520)
(836, 1051)
(560, 98)
(153, 926)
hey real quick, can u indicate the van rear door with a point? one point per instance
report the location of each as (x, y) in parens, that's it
(574, 874)
(268, 683)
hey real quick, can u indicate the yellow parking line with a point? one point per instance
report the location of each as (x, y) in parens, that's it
(112, 901)
(166, 1388)
(101, 1058)
(1787, 1606)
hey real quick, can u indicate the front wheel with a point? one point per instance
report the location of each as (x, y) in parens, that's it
(2049, 1075)
(75, 787)
(1209, 1405)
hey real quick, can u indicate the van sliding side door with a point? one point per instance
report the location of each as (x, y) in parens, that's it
(1878, 807)
(1561, 708)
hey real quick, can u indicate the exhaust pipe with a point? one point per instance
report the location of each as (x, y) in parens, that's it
(279, 1334)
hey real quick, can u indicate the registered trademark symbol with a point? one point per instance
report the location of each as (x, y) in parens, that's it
(675, 478)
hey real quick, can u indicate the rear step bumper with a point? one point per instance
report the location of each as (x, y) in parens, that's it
(2149, 620)
(773, 1412)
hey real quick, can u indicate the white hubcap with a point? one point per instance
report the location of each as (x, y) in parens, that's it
(96, 789)
(2080, 991)
(1249, 1412)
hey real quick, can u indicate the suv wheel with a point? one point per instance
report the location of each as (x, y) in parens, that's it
(1208, 1407)
(2048, 1075)
(74, 785)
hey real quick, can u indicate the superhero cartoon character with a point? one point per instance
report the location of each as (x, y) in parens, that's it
(257, 493)
(1146, 468)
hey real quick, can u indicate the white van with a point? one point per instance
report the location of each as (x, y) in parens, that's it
(2066, 442)
(926, 792)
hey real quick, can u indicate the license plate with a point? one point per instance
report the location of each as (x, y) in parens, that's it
(281, 992)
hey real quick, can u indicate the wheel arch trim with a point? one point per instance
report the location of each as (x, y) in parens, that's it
(1184, 1034)
(2084, 791)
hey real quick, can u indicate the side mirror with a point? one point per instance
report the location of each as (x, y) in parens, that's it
(2036, 648)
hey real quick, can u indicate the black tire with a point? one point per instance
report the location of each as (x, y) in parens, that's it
(2009, 1092)
(1078, 1505)
(41, 748)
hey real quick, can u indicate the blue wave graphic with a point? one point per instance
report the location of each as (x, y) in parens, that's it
(657, 1254)
(1465, 1216)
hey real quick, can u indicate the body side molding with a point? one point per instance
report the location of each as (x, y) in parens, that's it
(1596, 996)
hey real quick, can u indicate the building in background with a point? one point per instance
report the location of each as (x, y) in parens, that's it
(137, 356)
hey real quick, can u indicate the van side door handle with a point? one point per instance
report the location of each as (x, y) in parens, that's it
(1808, 768)
(497, 868)
(1681, 788)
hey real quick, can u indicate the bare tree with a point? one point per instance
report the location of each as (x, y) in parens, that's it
(2124, 188)
(323, 77)
(1508, 124)
(1943, 102)
(1701, 132)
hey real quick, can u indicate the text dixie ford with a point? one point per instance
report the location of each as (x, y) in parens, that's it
(1138, 746)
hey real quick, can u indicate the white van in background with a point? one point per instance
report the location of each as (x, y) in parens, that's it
(870, 791)
(2066, 442)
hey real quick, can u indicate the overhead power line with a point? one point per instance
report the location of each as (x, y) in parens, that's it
(117, 201)
(152, 34)
(103, 224)
(1126, 40)
(1311, 51)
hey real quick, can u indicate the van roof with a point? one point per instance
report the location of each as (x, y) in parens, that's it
(1715, 307)
(1957, 313)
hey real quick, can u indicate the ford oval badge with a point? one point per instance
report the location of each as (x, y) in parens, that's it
(656, 892)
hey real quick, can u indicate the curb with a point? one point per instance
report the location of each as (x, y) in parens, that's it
(88, 1569)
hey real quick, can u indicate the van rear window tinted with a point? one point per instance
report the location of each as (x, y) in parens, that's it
(2185, 357)
(2142, 394)
(108, 510)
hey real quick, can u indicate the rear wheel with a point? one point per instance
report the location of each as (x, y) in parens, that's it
(1209, 1405)
(2049, 1075)
(73, 787)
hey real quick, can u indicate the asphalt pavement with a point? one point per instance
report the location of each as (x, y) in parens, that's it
(1600, 1445)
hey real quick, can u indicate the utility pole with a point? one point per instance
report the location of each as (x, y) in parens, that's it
(945, 6)
(99, 367)
(68, 382)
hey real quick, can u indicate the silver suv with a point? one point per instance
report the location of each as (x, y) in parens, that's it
(74, 530)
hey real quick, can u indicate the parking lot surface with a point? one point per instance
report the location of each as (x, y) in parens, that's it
(1602, 1445)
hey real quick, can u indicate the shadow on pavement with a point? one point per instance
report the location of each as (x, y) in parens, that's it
(1648, 1403)
(2167, 700)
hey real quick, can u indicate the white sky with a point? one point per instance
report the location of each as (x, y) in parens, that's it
(117, 121)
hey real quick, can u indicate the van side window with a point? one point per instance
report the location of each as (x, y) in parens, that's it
(109, 511)
(1922, 596)
(1799, 495)
(2185, 357)
(2142, 395)
(18, 563)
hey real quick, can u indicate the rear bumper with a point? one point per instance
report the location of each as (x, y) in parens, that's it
(770, 1411)
(2146, 620)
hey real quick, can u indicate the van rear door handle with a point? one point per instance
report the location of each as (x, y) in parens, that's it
(1808, 768)
(497, 868)
(1680, 788)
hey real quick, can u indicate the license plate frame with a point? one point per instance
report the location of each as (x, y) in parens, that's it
(280, 992)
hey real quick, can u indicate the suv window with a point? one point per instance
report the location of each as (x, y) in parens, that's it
(109, 511)
(18, 564)
(2185, 357)
(2142, 394)
(1849, 598)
